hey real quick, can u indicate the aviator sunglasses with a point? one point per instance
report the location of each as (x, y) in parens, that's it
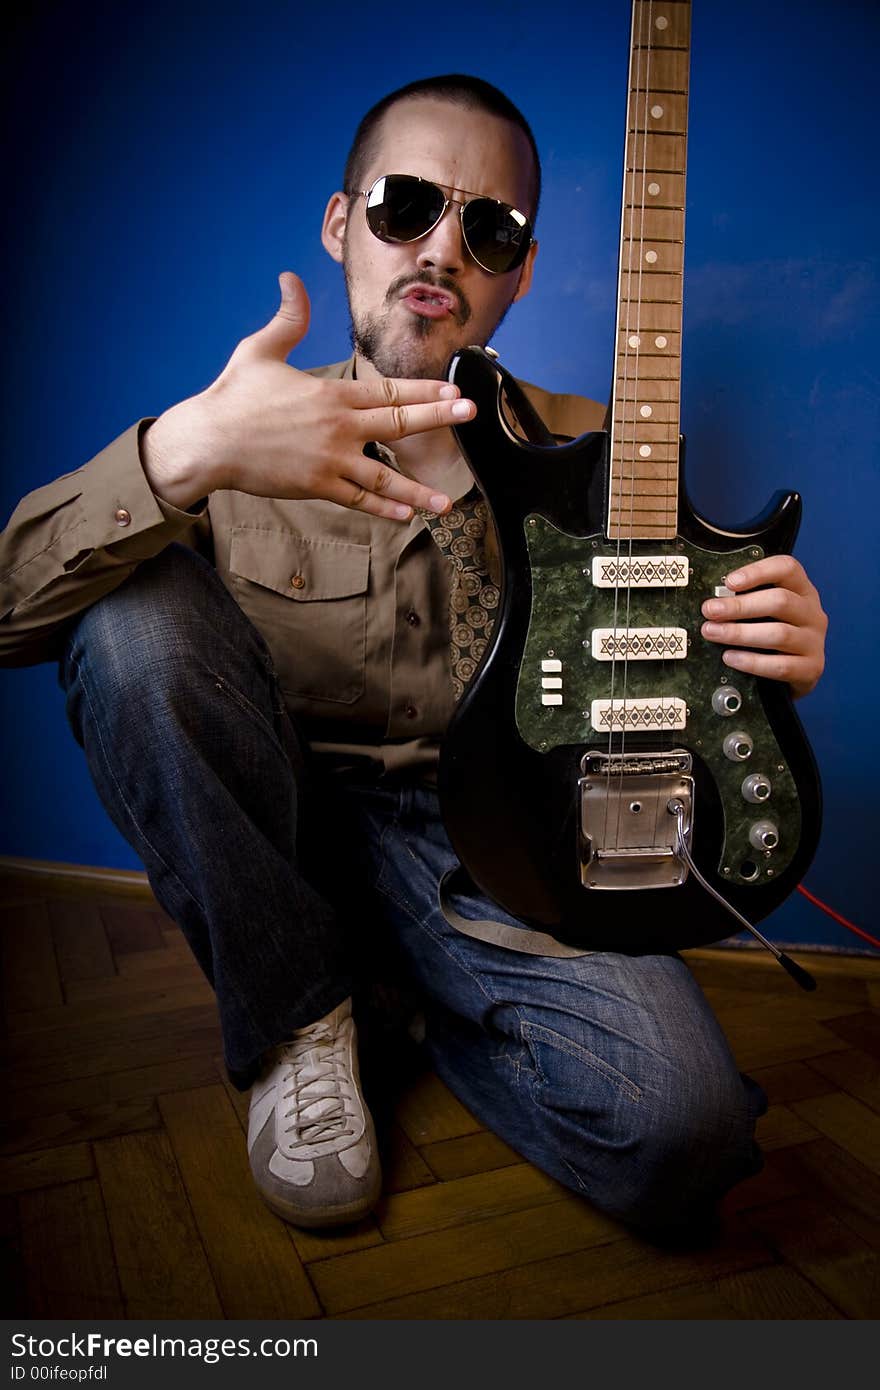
(402, 207)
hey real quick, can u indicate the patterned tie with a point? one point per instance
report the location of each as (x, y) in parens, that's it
(461, 536)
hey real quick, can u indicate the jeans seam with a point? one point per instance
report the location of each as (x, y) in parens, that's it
(122, 797)
(244, 703)
(581, 1054)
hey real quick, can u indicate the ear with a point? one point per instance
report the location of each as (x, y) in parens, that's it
(333, 230)
(525, 274)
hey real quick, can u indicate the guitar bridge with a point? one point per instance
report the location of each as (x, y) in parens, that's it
(628, 836)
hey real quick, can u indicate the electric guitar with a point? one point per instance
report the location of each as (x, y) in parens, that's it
(603, 758)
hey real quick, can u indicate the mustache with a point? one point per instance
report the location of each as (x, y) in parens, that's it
(438, 282)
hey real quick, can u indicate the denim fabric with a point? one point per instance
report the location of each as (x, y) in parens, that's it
(608, 1071)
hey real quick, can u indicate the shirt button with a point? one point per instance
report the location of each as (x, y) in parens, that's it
(410, 711)
(413, 618)
(123, 517)
(297, 581)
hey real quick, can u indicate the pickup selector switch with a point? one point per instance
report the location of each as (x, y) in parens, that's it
(737, 746)
(756, 787)
(726, 700)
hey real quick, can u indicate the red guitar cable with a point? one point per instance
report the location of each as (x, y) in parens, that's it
(837, 917)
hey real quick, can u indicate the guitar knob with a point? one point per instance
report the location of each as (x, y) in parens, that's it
(726, 700)
(764, 835)
(737, 746)
(756, 787)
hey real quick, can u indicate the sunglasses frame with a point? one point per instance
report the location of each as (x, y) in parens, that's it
(469, 199)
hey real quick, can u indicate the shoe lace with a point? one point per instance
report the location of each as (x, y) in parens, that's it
(316, 1064)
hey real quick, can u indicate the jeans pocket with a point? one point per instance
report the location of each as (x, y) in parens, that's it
(559, 1062)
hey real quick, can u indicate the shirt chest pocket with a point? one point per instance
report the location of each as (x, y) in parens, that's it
(308, 598)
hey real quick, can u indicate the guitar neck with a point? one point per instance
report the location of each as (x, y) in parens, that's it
(645, 417)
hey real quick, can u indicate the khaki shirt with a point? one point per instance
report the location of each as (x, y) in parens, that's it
(354, 607)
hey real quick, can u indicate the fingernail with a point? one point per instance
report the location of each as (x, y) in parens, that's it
(710, 629)
(463, 410)
(735, 576)
(439, 502)
(712, 608)
(448, 392)
(403, 512)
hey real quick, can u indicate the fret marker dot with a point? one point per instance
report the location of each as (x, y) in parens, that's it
(656, 112)
(651, 257)
(661, 22)
(646, 411)
(634, 340)
(653, 189)
(645, 451)
(660, 342)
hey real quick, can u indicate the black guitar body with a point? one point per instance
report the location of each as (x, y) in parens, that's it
(518, 798)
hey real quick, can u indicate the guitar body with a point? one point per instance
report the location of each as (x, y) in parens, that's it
(568, 747)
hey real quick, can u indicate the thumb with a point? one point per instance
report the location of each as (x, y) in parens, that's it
(289, 324)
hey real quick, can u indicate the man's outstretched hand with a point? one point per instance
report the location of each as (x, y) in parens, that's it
(267, 429)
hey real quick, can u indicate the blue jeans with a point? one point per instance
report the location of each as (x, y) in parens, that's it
(608, 1071)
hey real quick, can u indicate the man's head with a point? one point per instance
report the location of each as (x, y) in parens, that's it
(415, 302)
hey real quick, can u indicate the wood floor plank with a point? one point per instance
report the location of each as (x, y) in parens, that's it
(93, 1014)
(13, 1280)
(141, 1041)
(694, 1302)
(860, 1030)
(403, 1167)
(128, 1084)
(46, 1168)
(774, 1292)
(68, 1259)
(101, 1121)
(792, 1081)
(848, 1122)
(760, 1037)
(590, 1277)
(826, 1252)
(81, 945)
(838, 1182)
(28, 968)
(470, 1153)
(255, 1267)
(426, 1263)
(428, 1112)
(465, 1199)
(131, 928)
(163, 1269)
(344, 1240)
(781, 1126)
(853, 1071)
(171, 974)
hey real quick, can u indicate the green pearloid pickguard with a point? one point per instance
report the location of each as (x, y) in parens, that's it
(566, 607)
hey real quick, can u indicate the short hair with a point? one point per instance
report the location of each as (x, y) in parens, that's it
(456, 87)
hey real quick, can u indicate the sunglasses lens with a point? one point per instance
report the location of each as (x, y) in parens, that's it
(498, 237)
(403, 208)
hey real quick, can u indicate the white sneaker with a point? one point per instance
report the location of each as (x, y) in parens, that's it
(311, 1139)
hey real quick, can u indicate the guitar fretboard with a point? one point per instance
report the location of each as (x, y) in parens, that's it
(643, 495)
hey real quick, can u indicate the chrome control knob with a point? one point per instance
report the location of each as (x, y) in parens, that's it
(764, 835)
(756, 787)
(737, 746)
(726, 700)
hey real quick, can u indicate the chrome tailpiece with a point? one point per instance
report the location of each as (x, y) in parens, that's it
(629, 837)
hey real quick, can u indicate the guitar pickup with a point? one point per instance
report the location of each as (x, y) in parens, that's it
(639, 643)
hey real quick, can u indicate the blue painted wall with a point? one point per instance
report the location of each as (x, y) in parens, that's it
(163, 166)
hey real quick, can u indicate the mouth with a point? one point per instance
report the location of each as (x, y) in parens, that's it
(427, 301)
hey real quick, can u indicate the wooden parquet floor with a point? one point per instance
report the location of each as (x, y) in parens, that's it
(126, 1193)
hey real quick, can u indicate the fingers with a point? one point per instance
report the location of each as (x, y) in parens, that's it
(783, 570)
(374, 487)
(395, 422)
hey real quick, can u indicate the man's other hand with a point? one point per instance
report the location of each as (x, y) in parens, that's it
(266, 429)
(791, 637)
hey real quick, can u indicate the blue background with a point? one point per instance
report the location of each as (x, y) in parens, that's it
(163, 166)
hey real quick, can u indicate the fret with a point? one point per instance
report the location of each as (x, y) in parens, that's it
(662, 153)
(649, 431)
(643, 389)
(652, 367)
(658, 111)
(651, 256)
(644, 319)
(674, 34)
(660, 473)
(650, 289)
(632, 411)
(663, 71)
(653, 188)
(653, 224)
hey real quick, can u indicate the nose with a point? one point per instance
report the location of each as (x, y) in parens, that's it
(443, 249)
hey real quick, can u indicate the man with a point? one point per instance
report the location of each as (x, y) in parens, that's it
(608, 1071)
